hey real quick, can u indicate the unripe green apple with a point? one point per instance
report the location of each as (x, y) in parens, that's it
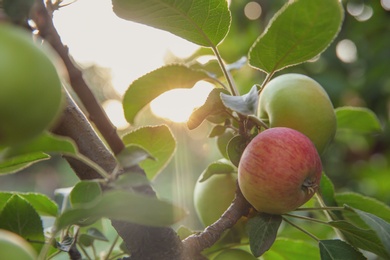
(30, 87)
(279, 170)
(298, 102)
(235, 254)
(213, 196)
(13, 246)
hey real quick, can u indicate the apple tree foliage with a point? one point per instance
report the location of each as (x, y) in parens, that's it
(333, 225)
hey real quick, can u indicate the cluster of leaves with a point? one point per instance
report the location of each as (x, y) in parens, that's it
(297, 33)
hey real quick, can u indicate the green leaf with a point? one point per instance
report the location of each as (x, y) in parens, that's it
(358, 120)
(18, 163)
(125, 206)
(146, 88)
(337, 249)
(213, 106)
(41, 203)
(223, 141)
(262, 231)
(298, 32)
(47, 143)
(378, 225)
(20, 217)
(290, 249)
(217, 131)
(219, 167)
(184, 232)
(85, 192)
(361, 238)
(245, 104)
(235, 148)
(18, 10)
(92, 234)
(364, 203)
(158, 141)
(132, 155)
(204, 22)
(327, 193)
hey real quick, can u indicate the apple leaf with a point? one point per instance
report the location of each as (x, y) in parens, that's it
(378, 225)
(245, 104)
(363, 203)
(41, 203)
(18, 163)
(212, 106)
(262, 231)
(92, 234)
(358, 120)
(132, 155)
(223, 141)
(298, 32)
(85, 192)
(337, 249)
(291, 249)
(146, 88)
(361, 238)
(20, 217)
(219, 167)
(327, 193)
(217, 130)
(47, 143)
(235, 148)
(158, 141)
(124, 206)
(205, 23)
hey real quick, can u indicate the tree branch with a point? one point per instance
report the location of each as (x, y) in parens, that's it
(198, 242)
(96, 113)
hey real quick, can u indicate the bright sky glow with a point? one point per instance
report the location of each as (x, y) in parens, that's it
(94, 34)
(178, 104)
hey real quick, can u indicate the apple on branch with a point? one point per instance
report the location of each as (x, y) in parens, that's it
(279, 170)
(299, 102)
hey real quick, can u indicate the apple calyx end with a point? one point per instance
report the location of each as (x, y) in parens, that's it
(310, 186)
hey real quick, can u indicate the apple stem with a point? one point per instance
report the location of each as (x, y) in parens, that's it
(301, 229)
(320, 208)
(265, 82)
(258, 121)
(307, 218)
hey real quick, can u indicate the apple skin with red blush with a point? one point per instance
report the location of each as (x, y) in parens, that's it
(279, 170)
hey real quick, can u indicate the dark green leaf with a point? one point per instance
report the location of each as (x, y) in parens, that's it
(301, 30)
(212, 106)
(361, 238)
(18, 10)
(18, 216)
(217, 131)
(337, 249)
(262, 231)
(235, 148)
(290, 249)
(327, 193)
(133, 155)
(364, 203)
(92, 234)
(125, 206)
(158, 141)
(18, 163)
(358, 120)
(202, 22)
(218, 167)
(85, 192)
(146, 88)
(245, 104)
(378, 225)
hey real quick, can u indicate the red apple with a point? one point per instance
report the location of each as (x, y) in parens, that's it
(279, 170)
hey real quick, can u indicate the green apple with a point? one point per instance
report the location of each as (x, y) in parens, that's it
(297, 101)
(279, 170)
(30, 87)
(235, 254)
(213, 196)
(13, 246)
